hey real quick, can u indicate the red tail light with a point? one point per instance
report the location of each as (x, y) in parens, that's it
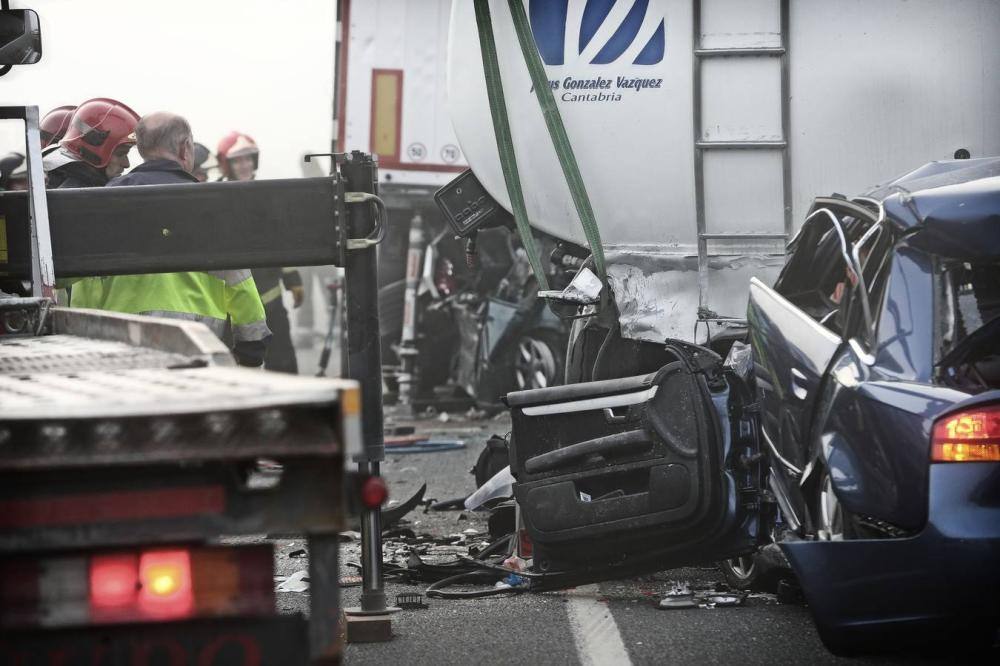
(971, 435)
(138, 586)
(374, 492)
(114, 582)
(525, 549)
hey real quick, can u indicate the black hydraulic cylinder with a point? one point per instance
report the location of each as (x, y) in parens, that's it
(364, 362)
(364, 353)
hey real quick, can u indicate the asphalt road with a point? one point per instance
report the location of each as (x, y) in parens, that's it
(613, 622)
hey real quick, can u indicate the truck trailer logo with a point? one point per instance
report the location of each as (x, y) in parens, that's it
(610, 32)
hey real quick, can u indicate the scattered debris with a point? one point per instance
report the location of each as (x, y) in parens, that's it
(301, 552)
(449, 505)
(430, 446)
(397, 441)
(350, 581)
(395, 514)
(475, 414)
(297, 582)
(675, 601)
(515, 563)
(399, 533)
(443, 417)
(681, 595)
(411, 601)
(500, 485)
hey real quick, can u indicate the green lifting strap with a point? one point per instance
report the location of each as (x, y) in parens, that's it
(557, 132)
(505, 144)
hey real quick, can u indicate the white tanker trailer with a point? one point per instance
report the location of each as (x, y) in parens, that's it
(704, 128)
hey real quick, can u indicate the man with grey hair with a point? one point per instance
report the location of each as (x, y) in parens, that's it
(213, 298)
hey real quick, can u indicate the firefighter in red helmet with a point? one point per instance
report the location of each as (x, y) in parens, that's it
(238, 157)
(53, 126)
(95, 147)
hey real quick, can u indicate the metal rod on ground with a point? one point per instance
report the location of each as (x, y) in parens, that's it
(408, 339)
(364, 364)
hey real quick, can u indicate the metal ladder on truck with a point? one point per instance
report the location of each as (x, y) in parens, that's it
(714, 243)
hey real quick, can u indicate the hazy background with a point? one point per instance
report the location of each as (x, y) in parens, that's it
(259, 66)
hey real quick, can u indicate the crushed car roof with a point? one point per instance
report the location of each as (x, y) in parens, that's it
(949, 208)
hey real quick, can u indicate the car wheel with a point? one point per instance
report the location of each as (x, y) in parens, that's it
(833, 522)
(740, 572)
(538, 361)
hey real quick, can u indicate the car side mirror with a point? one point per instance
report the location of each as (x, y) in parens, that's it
(20, 37)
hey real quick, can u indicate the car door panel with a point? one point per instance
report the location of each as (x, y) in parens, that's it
(791, 352)
(625, 475)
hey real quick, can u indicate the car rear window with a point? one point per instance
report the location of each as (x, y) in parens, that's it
(970, 299)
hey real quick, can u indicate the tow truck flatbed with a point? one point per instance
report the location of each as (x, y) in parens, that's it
(128, 432)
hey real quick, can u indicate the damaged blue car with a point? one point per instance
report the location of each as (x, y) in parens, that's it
(856, 426)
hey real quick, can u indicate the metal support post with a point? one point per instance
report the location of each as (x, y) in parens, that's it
(364, 361)
(43, 276)
(408, 339)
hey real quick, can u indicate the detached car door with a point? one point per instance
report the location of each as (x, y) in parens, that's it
(641, 473)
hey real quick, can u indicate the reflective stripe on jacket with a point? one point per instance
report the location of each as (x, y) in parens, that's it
(209, 297)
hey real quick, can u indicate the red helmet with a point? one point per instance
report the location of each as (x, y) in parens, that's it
(97, 128)
(53, 126)
(233, 145)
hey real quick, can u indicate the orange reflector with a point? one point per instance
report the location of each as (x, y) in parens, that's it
(350, 402)
(165, 580)
(968, 436)
(960, 452)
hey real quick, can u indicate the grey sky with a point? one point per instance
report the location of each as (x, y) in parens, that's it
(259, 66)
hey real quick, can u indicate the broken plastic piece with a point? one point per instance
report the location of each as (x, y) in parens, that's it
(585, 289)
(297, 582)
(411, 601)
(500, 485)
(740, 359)
(675, 601)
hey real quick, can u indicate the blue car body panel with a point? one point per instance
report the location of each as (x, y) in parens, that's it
(938, 584)
(868, 421)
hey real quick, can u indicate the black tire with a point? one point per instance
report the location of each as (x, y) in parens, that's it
(538, 360)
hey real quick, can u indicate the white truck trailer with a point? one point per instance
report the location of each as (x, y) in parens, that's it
(704, 128)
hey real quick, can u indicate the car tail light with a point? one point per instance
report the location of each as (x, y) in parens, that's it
(165, 584)
(374, 492)
(972, 435)
(137, 586)
(525, 549)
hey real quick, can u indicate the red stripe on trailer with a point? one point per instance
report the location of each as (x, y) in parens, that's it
(109, 507)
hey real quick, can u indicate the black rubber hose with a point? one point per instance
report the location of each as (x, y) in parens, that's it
(435, 590)
(496, 546)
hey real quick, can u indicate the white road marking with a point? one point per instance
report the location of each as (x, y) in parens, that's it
(595, 632)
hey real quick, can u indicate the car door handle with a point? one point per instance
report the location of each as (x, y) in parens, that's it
(799, 384)
(612, 418)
